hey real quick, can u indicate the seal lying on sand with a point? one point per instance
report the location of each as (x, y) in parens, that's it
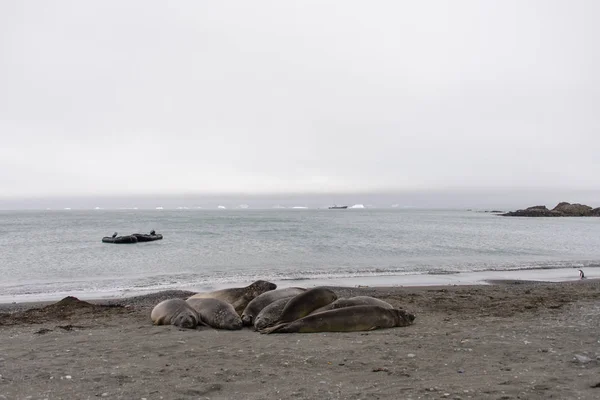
(305, 303)
(175, 312)
(354, 301)
(255, 306)
(270, 314)
(238, 297)
(216, 313)
(348, 319)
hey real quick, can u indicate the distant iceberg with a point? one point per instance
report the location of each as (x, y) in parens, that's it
(357, 206)
(67, 208)
(300, 207)
(244, 206)
(97, 208)
(221, 207)
(159, 208)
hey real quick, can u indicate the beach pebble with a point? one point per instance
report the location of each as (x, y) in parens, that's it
(582, 359)
(410, 355)
(104, 394)
(67, 376)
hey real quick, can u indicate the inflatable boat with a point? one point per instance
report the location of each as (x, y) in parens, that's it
(142, 237)
(120, 239)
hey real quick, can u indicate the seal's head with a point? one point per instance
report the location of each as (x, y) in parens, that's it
(185, 319)
(403, 318)
(262, 286)
(232, 321)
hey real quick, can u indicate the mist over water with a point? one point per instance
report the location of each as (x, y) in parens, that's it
(47, 254)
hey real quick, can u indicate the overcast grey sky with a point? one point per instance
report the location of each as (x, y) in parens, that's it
(133, 97)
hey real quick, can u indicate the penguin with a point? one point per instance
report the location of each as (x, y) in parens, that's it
(581, 274)
(114, 235)
(153, 232)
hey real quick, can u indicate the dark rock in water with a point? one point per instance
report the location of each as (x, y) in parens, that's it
(563, 209)
(575, 210)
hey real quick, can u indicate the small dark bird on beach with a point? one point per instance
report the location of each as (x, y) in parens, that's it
(581, 274)
(114, 235)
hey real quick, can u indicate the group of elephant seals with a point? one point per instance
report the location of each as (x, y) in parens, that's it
(175, 312)
(255, 306)
(216, 313)
(280, 311)
(354, 301)
(305, 303)
(238, 297)
(270, 314)
(348, 319)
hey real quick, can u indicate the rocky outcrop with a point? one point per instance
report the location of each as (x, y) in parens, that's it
(563, 209)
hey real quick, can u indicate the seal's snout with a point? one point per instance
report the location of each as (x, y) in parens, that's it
(411, 317)
(246, 320)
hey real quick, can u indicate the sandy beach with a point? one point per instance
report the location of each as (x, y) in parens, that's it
(508, 340)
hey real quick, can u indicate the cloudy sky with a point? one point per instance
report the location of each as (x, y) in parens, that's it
(134, 97)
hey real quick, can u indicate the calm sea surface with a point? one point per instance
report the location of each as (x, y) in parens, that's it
(48, 254)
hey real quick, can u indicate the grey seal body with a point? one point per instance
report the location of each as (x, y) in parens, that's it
(238, 297)
(216, 313)
(175, 312)
(348, 319)
(255, 306)
(303, 304)
(270, 314)
(354, 301)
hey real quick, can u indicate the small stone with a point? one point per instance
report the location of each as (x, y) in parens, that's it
(582, 359)
(104, 394)
(410, 355)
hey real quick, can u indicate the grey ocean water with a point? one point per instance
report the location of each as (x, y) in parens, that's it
(49, 254)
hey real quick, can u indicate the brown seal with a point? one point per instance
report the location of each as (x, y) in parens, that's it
(260, 302)
(175, 312)
(216, 313)
(348, 319)
(305, 303)
(238, 297)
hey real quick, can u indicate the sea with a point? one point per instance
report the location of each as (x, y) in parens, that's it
(50, 254)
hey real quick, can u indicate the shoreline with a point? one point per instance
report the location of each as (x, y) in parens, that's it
(410, 280)
(146, 299)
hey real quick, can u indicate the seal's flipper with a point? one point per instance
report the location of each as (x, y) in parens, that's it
(274, 329)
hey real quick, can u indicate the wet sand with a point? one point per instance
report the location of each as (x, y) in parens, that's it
(508, 340)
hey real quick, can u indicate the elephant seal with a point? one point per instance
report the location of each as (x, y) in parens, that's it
(270, 314)
(216, 313)
(354, 301)
(175, 312)
(260, 302)
(238, 297)
(348, 319)
(303, 304)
